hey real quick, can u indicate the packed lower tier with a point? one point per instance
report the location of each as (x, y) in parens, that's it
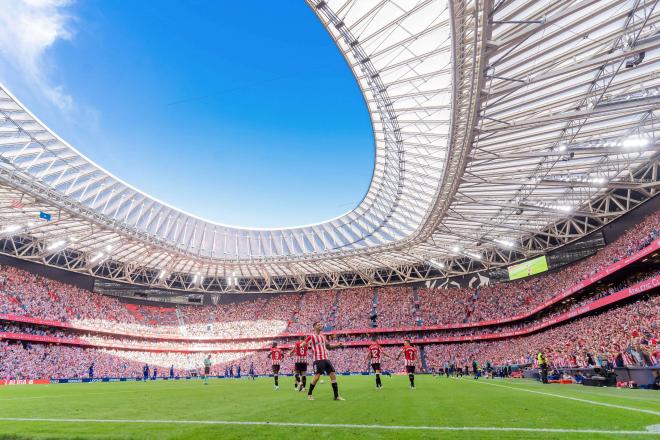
(627, 333)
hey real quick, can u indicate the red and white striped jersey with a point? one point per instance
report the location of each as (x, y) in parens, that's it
(300, 351)
(410, 355)
(375, 351)
(317, 343)
(276, 355)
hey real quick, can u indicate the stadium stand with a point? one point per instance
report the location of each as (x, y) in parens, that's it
(605, 337)
(119, 338)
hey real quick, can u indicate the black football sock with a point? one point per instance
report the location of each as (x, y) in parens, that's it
(311, 388)
(335, 389)
(277, 381)
(304, 381)
(412, 379)
(297, 380)
(378, 382)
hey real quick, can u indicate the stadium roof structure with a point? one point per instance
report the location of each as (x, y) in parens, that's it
(502, 129)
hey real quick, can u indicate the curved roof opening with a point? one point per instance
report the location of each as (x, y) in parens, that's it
(236, 130)
(406, 85)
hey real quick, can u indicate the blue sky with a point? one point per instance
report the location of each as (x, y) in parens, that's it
(239, 112)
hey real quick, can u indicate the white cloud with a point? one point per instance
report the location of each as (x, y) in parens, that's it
(27, 29)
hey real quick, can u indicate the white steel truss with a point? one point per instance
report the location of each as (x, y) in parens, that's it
(502, 129)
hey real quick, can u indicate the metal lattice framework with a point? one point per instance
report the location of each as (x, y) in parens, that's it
(502, 129)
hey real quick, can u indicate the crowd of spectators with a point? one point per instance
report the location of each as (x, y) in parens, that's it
(154, 315)
(186, 346)
(355, 307)
(258, 317)
(626, 335)
(24, 293)
(505, 300)
(315, 306)
(606, 336)
(396, 306)
(37, 361)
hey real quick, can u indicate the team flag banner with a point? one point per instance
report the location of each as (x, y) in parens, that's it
(528, 268)
(44, 216)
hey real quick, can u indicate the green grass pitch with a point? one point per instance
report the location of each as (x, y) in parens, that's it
(438, 408)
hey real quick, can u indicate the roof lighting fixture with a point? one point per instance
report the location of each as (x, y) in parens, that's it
(635, 141)
(231, 280)
(108, 247)
(473, 255)
(55, 245)
(505, 243)
(632, 141)
(11, 228)
(437, 264)
(96, 257)
(563, 208)
(162, 274)
(456, 249)
(553, 206)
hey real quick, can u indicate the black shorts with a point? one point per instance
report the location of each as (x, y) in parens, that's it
(301, 367)
(376, 366)
(207, 370)
(276, 369)
(410, 369)
(323, 366)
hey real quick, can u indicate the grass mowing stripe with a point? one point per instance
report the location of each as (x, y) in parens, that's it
(336, 425)
(577, 399)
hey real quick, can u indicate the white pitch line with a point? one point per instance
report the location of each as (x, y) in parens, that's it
(577, 399)
(337, 425)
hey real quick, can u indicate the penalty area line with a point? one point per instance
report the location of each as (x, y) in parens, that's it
(328, 425)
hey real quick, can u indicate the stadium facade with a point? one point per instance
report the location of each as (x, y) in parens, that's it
(502, 130)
